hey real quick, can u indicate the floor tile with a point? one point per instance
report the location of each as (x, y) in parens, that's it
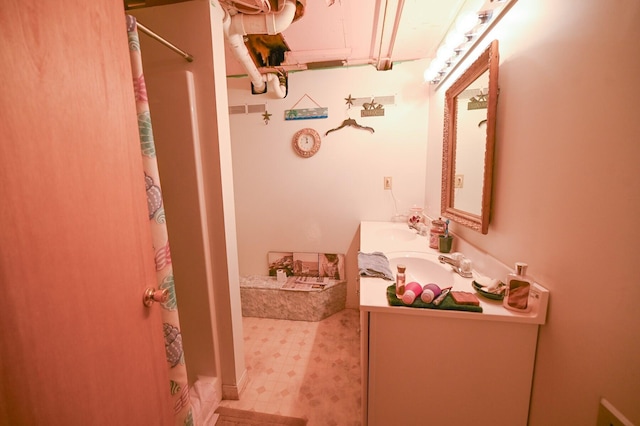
(304, 369)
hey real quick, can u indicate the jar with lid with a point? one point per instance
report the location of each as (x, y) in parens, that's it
(437, 229)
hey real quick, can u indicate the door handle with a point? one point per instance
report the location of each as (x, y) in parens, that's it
(152, 295)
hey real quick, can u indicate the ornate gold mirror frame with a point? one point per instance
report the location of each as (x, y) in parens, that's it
(453, 146)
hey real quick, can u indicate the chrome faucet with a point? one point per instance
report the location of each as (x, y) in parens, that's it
(460, 264)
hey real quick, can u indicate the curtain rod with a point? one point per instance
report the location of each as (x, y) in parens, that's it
(171, 46)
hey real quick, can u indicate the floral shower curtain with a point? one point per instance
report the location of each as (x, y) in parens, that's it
(178, 383)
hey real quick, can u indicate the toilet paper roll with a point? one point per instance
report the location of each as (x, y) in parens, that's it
(281, 275)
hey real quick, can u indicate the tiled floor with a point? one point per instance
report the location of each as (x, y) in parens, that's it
(304, 369)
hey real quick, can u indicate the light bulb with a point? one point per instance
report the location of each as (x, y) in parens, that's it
(466, 22)
(454, 39)
(444, 52)
(437, 64)
(430, 74)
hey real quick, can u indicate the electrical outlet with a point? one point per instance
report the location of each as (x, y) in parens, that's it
(387, 182)
(458, 181)
(608, 415)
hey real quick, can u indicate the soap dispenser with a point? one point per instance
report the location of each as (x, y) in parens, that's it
(516, 297)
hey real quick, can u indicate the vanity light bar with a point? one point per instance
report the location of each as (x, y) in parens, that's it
(461, 38)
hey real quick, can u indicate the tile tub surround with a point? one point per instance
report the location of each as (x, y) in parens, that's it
(262, 297)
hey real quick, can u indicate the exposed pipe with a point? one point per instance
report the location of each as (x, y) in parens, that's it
(383, 62)
(237, 26)
(266, 23)
(236, 42)
(278, 87)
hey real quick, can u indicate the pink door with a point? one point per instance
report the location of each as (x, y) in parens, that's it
(77, 346)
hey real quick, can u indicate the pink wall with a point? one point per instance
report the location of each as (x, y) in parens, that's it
(566, 194)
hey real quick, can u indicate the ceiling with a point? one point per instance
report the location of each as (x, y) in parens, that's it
(333, 33)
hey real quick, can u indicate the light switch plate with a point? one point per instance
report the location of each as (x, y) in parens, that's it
(387, 182)
(608, 415)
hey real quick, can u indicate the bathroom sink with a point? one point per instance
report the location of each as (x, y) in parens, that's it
(422, 268)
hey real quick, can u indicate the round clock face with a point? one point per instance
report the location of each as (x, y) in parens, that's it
(306, 142)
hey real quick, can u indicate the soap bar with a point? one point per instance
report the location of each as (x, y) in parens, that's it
(465, 298)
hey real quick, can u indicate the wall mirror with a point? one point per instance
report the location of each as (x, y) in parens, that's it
(469, 139)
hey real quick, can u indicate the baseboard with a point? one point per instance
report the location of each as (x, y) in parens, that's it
(233, 391)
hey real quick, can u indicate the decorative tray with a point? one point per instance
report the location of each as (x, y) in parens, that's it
(477, 287)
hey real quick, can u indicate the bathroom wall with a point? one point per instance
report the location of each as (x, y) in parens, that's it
(288, 203)
(194, 159)
(566, 194)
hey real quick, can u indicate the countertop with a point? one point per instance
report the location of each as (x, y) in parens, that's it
(392, 237)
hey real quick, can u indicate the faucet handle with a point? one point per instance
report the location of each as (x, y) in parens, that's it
(465, 266)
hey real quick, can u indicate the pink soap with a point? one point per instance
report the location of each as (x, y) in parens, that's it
(411, 291)
(430, 292)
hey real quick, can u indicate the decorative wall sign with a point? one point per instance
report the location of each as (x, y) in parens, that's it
(372, 109)
(386, 100)
(306, 113)
(478, 102)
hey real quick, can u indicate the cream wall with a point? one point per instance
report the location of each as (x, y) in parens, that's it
(288, 203)
(566, 194)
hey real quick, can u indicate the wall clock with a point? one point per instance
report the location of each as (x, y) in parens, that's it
(306, 142)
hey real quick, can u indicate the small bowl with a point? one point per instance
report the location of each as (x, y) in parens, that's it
(477, 287)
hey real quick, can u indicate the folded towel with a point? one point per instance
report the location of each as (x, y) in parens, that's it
(448, 304)
(374, 264)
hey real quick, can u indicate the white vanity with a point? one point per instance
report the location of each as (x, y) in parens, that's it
(443, 367)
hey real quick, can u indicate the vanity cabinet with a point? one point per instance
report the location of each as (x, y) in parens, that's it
(436, 367)
(425, 370)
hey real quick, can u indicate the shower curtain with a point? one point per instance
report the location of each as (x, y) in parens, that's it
(178, 383)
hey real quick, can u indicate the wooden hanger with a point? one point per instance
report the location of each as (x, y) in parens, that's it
(352, 123)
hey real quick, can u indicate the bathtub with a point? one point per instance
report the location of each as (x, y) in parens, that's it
(262, 297)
